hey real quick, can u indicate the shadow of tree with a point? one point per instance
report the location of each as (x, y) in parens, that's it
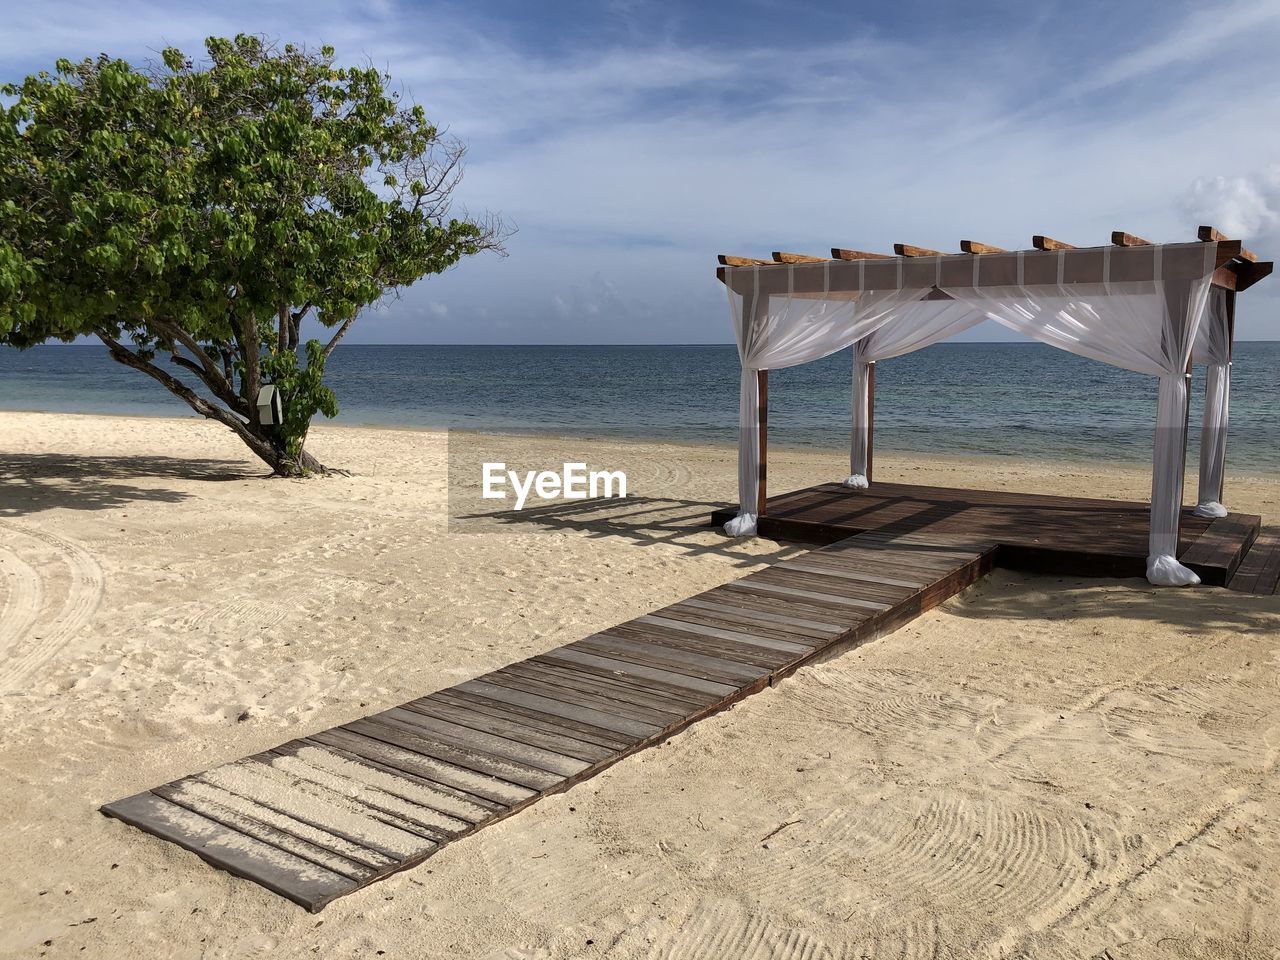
(647, 521)
(683, 524)
(31, 483)
(1046, 598)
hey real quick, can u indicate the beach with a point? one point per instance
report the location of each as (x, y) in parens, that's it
(1042, 766)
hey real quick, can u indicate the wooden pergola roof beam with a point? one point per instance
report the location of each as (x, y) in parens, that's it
(1228, 250)
(1236, 268)
(1122, 239)
(1041, 242)
(1210, 235)
(842, 253)
(907, 250)
(780, 257)
(728, 261)
(976, 248)
(1248, 272)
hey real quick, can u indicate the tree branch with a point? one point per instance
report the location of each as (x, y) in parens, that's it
(196, 402)
(338, 335)
(218, 382)
(232, 400)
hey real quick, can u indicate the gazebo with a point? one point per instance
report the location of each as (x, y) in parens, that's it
(1147, 307)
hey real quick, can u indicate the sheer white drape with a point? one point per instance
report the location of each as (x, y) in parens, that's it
(776, 331)
(860, 438)
(1147, 326)
(912, 327)
(1213, 349)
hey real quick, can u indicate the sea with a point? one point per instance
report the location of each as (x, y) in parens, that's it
(1022, 400)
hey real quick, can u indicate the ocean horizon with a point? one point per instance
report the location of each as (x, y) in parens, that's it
(1006, 399)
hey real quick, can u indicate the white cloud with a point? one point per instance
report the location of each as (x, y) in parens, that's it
(1244, 206)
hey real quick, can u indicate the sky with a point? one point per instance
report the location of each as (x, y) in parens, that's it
(630, 143)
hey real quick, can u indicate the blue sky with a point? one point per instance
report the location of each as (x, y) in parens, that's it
(632, 142)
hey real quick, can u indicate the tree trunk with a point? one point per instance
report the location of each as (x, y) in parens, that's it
(282, 465)
(310, 464)
(264, 446)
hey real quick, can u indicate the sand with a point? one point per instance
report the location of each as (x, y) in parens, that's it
(1042, 766)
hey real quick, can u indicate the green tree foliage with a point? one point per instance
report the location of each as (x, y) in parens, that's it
(199, 213)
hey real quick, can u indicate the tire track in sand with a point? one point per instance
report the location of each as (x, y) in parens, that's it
(36, 634)
(22, 600)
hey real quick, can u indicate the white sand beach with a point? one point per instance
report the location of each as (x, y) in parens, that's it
(1042, 766)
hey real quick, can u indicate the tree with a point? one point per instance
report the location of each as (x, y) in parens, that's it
(203, 212)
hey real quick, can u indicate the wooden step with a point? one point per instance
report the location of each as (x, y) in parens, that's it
(1218, 552)
(1259, 572)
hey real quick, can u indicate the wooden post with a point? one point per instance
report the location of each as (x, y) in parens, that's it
(762, 434)
(871, 414)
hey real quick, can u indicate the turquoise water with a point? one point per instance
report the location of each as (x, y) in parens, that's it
(1004, 399)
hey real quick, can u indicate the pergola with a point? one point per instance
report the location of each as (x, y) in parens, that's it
(1147, 307)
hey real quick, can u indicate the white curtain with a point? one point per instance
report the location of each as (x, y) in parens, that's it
(1147, 326)
(782, 330)
(913, 327)
(1213, 348)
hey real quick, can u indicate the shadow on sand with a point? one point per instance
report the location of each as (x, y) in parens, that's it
(682, 524)
(1193, 610)
(646, 521)
(33, 482)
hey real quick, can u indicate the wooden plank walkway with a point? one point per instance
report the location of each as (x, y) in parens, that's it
(321, 816)
(1260, 570)
(1072, 536)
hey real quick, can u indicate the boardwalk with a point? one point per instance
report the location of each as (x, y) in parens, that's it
(326, 814)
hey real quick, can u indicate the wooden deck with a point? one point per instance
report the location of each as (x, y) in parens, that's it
(1073, 536)
(326, 814)
(1259, 572)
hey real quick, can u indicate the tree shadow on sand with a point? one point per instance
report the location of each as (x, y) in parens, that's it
(1193, 610)
(34, 482)
(647, 521)
(684, 524)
